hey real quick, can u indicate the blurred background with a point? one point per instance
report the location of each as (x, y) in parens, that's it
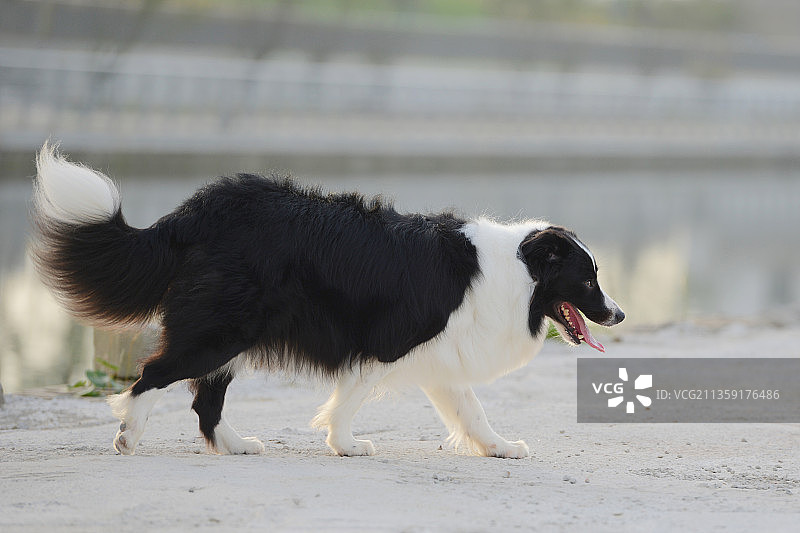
(666, 133)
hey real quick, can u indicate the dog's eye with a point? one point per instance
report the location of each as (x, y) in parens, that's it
(589, 283)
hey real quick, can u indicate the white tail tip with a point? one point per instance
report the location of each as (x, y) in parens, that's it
(70, 192)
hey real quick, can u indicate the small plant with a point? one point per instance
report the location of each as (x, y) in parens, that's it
(100, 382)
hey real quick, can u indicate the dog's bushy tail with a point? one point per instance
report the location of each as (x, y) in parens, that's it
(101, 269)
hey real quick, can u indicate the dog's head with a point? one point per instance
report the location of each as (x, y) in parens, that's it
(565, 274)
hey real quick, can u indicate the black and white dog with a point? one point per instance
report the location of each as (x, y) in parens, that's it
(258, 271)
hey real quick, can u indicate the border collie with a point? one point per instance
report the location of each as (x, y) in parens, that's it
(258, 271)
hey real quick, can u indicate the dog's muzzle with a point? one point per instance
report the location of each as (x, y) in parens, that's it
(616, 314)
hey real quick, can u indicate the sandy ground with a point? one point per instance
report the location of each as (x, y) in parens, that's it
(58, 471)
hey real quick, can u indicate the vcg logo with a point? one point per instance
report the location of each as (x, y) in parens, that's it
(644, 381)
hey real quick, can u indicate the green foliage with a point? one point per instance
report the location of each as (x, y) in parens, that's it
(100, 382)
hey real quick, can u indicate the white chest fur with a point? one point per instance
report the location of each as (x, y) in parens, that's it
(488, 335)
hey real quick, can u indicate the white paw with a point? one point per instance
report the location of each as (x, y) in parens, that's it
(132, 412)
(508, 450)
(228, 442)
(351, 447)
(240, 446)
(126, 440)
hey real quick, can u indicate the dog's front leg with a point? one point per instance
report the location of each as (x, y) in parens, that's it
(336, 415)
(463, 415)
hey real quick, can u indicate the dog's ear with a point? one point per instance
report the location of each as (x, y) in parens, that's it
(543, 250)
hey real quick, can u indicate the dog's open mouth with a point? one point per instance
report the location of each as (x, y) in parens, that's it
(574, 325)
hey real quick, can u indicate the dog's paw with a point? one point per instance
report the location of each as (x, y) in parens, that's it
(508, 450)
(126, 439)
(351, 447)
(240, 446)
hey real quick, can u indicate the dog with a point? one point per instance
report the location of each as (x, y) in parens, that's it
(259, 271)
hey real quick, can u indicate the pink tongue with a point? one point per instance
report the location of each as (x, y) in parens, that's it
(588, 338)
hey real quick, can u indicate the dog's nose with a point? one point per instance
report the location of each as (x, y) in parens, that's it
(619, 316)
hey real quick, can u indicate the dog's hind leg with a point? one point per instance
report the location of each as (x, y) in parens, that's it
(210, 314)
(167, 366)
(209, 396)
(466, 420)
(133, 412)
(352, 389)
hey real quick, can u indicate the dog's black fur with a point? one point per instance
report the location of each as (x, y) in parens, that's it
(258, 265)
